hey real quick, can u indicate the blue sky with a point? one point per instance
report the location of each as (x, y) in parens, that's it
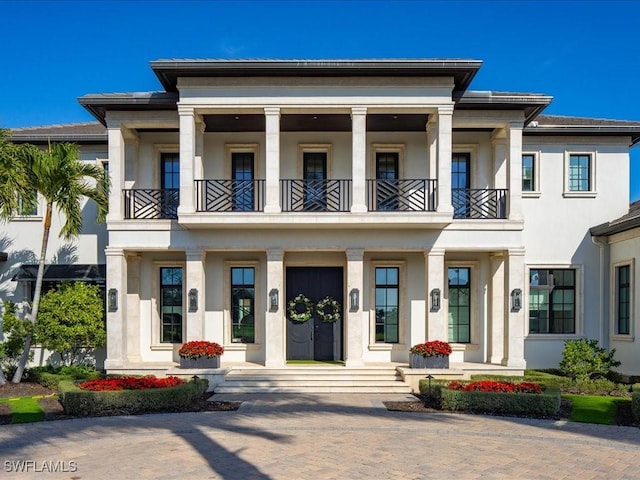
(583, 53)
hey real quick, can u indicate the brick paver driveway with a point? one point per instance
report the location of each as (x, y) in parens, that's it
(317, 437)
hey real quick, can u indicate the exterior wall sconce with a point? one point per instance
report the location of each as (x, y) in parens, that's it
(112, 300)
(435, 299)
(354, 300)
(516, 300)
(273, 300)
(193, 300)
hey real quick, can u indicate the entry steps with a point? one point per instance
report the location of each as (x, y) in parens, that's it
(313, 379)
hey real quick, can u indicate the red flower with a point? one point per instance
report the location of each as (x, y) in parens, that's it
(496, 386)
(434, 348)
(130, 383)
(200, 349)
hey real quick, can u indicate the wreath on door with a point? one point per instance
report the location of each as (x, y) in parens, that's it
(300, 308)
(328, 310)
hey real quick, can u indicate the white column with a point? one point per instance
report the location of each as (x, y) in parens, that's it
(432, 143)
(515, 324)
(116, 320)
(116, 172)
(272, 160)
(187, 159)
(437, 328)
(274, 348)
(354, 319)
(198, 168)
(445, 125)
(514, 150)
(498, 305)
(133, 308)
(195, 280)
(359, 159)
(498, 141)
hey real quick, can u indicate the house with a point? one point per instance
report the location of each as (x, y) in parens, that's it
(250, 190)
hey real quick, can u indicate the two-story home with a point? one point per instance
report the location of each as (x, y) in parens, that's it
(250, 190)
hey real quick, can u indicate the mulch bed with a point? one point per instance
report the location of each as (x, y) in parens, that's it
(53, 408)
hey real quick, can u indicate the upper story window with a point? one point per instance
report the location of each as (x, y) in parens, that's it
(169, 184)
(28, 205)
(552, 300)
(580, 174)
(529, 172)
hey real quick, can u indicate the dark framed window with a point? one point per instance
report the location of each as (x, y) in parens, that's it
(242, 176)
(579, 173)
(459, 304)
(28, 204)
(243, 293)
(460, 184)
(315, 176)
(387, 174)
(171, 304)
(552, 301)
(170, 184)
(623, 300)
(528, 172)
(387, 304)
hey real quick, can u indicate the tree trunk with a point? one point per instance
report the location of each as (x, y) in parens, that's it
(33, 317)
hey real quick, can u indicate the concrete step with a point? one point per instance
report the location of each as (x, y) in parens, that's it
(401, 388)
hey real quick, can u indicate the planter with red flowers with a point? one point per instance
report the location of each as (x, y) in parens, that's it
(200, 354)
(433, 354)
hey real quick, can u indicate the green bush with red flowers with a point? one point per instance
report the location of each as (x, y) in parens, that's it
(497, 397)
(111, 384)
(433, 348)
(200, 349)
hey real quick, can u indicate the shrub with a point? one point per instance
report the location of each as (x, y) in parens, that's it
(130, 383)
(14, 331)
(583, 358)
(200, 349)
(635, 407)
(434, 348)
(49, 376)
(125, 402)
(496, 386)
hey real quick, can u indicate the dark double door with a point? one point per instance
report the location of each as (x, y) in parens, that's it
(314, 339)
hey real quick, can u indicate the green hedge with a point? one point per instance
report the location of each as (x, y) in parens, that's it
(545, 404)
(124, 402)
(50, 377)
(635, 406)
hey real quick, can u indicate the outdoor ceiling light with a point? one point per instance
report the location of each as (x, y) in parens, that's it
(435, 299)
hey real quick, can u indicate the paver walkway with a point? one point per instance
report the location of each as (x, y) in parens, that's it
(317, 437)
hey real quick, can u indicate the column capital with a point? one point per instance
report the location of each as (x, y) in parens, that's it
(355, 254)
(275, 254)
(358, 111)
(517, 252)
(435, 252)
(114, 252)
(132, 257)
(272, 111)
(186, 110)
(517, 125)
(445, 109)
(195, 254)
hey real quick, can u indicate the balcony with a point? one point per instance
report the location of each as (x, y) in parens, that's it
(417, 195)
(148, 203)
(315, 195)
(479, 203)
(230, 195)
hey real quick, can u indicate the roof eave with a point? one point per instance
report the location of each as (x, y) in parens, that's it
(578, 130)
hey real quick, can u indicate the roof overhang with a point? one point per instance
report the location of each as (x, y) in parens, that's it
(63, 273)
(530, 103)
(98, 104)
(586, 130)
(462, 71)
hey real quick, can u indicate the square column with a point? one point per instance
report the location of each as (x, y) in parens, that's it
(359, 159)
(198, 167)
(116, 171)
(498, 141)
(515, 319)
(432, 144)
(445, 126)
(187, 159)
(274, 329)
(514, 150)
(437, 327)
(195, 280)
(499, 297)
(116, 318)
(133, 308)
(354, 319)
(272, 160)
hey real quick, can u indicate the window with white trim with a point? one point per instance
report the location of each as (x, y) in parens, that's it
(387, 298)
(622, 300)
(580, 174)
(552, 300)
(171, 304)
(529, 172)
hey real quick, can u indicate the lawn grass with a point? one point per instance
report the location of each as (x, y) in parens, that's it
(24, 409)
(594, 409)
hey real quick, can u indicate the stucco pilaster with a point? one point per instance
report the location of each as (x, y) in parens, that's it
(116, 319)
(445, 125)
(359, 159)
(514, 150)
(132, 319)
(514, 327)
(499, 144)
(437, 328)
(116, 171)
(187, 159)
(354, 319)
(432, 145)
(498, 305)
(198, 168)
(195, 265)
(272, 160)
(274, 320)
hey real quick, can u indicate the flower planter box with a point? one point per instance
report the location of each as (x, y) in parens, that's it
(418, 361)
(200, 362)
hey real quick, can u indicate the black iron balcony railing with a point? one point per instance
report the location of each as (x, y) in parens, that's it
(150, 203)
(229, 195)
(484, 203)
(315, 195)
(401, 195)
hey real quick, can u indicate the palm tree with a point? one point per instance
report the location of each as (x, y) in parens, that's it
(59, 176)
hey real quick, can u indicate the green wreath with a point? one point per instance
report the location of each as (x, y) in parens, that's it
(328, 310)
(294, 312)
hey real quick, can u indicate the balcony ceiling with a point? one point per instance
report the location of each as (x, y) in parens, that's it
(317, 123)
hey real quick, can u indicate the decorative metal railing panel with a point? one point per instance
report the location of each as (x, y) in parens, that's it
(315, 195)
(418, 195)
(479, 203)
(149, 203)
(229, 195)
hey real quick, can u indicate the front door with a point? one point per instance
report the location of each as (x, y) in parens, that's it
(314, 339)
